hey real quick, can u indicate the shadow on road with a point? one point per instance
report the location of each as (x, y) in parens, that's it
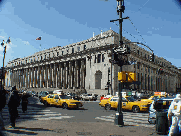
(32, 131)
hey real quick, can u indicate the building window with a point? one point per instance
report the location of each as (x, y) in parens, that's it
(84, 47)
(31, 60)
(95, 59)
(72, 50)
(53, 55)
(67, 50)
(99, 58)
(138, 65)
(78, 49)
(62, 52)
(102, 57)
(57, 54)
(138, 52)
(41, 57)
(45, 56)
(49, 55)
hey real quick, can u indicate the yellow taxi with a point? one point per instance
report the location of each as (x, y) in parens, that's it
(156, 96)
(48, 100)
(66, 102)
(128, 103)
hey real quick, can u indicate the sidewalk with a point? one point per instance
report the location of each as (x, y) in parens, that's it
(65, 128)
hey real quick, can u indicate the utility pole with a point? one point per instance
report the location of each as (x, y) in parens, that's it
(108, 83)
(120, 10)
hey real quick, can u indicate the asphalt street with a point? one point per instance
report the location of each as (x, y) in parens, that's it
(89, 113)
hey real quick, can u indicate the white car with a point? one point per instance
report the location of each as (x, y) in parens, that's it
(87, 97)
(57, 91)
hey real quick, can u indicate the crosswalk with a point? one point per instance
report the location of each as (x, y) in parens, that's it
(130, 118)
(33, 113)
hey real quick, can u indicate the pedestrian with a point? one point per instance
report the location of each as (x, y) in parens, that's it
(173, 114)
(2, 105)
(24, 102)
(14, 102)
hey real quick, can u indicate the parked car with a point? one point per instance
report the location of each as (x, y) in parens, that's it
(43, 94)
(88, 97)
(33, 93)
(95, 97)
(165, 107)
(75, 97)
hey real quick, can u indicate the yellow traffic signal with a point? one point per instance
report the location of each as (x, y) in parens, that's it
(131, 76)
(121, 76)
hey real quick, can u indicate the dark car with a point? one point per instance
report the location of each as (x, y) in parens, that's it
(75, 96)
(95, 97)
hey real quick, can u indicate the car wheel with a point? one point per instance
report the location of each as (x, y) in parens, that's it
(107, 107)
(136, 109)
(65, 106)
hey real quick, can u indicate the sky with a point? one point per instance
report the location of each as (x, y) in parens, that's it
(156, 23)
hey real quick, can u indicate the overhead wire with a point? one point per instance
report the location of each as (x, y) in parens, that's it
(126, 31)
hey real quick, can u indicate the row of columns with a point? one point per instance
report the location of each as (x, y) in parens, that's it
(150, 80)
(63, 75)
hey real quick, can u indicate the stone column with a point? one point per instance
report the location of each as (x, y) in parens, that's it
(42, 77)
(11, 77)
(70, 75)
(82, 73)
(51, 82)
(32, 77)
(27, 78)
(54, 75)
(49, 76)
(64, 77)
(39, 71)
(35, 83)
(46, 76)
(78, 76)
(59, 75)
(75, 74)
(29, 82)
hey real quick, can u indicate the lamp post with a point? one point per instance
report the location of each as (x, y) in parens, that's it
(3, 74)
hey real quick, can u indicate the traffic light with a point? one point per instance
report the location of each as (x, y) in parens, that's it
(131, 76)
(160, 71)
(121, 76)
(152, 57)
(116, 57)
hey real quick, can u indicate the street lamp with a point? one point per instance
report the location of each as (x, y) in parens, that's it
(3, 75)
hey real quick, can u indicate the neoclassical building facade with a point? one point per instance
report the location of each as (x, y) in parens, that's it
(84, 65)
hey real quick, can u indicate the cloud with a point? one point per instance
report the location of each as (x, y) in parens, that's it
(2, 37)
(26, 42)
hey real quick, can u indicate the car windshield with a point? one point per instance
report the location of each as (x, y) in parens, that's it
(64, 97)
(131, 99)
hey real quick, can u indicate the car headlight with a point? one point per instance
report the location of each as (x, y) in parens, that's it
(143, 105)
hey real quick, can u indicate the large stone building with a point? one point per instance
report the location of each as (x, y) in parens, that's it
(84, 65)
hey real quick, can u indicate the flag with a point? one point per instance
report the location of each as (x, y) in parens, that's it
(39, 38)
